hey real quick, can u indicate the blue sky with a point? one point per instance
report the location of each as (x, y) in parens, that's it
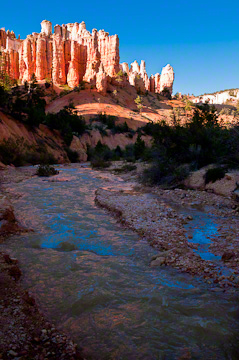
(199, 39)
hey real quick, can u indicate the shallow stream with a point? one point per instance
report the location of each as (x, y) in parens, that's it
(92, 277)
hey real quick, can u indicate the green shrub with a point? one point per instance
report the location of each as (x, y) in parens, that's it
(19, 152)
(139, 148)
(82, 85)
(64, 92)
(121, 128)
(47, 85)
(99, 163)
(166, 93)
(118, 152)
(67, 122)
(101, 151)
(199, 142)
(39, 155)
(165, 172)
(14, 151)
(125, 168)
(46, 170)
(214, 174)
(4, 95)
(72, 155)
(128, 153)
(101, 128)
(108, 120)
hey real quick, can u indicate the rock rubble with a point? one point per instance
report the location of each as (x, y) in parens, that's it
(155, 215)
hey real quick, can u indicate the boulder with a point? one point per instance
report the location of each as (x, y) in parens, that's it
(159, 261)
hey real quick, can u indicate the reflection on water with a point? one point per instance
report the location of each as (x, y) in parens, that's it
(92, 277)
(201, 232)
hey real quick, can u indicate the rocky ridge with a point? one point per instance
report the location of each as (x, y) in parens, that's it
(220, 97)
(72, 54)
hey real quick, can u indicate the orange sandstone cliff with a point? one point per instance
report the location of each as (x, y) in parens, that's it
(72, 54)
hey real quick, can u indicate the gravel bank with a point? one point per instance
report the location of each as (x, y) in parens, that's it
(157, 215)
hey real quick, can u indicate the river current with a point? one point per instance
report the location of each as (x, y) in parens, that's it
(92, 278)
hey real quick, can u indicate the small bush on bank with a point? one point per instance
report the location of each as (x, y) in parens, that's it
(166, 173)
(40, 155)
(125, 168)
(19, 152)
(99, 163)
(72, 155)
(100, 151)
(46, 170)
(139, 148)
(214, 174)
(128, 153)
(13, 151)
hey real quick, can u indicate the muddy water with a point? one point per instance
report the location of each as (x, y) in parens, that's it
(92, 277)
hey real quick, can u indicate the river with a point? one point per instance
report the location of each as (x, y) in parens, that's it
(92, 278)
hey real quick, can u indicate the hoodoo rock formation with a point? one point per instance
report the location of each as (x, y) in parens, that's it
(156, 83)
(72, 54)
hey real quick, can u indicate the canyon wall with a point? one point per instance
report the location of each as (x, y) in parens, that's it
(72, 54)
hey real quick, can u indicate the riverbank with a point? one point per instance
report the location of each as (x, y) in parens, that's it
(168, 220)
(24, 332)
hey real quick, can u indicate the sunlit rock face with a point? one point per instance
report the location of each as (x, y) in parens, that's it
(138, 77)
(9, 47)
(46, 27)
(71, 54)
(101, 80)
(125, 68)
(167, 78)
(221, 97)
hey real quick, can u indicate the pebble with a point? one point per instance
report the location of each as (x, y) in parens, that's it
(12, 353)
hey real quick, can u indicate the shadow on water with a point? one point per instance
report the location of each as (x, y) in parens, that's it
(93, 278)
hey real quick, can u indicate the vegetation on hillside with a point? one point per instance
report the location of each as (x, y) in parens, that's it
(179, 149)
(27, 105)
(176, 150)
(107, 124)
(18, 152)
